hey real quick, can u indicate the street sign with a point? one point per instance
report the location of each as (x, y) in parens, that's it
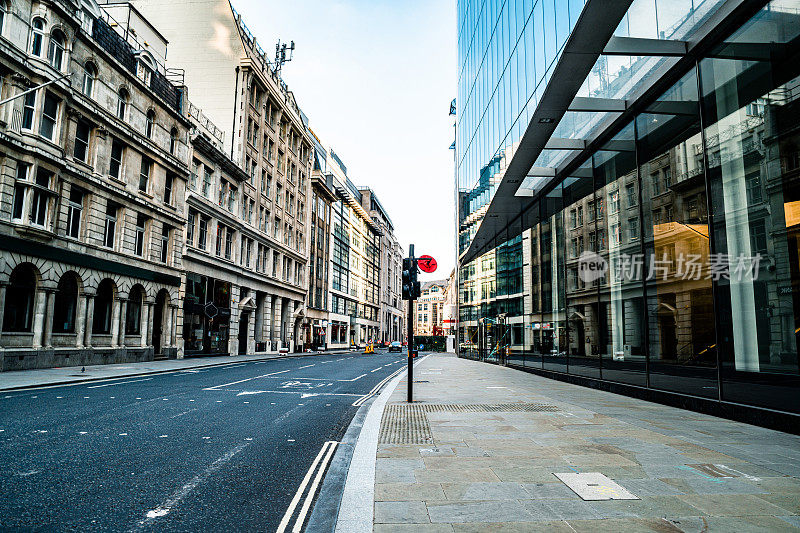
(426, 263)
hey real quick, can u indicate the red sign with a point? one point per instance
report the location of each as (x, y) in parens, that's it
(426, 263)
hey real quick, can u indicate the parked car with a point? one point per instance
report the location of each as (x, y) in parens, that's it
(395, 347)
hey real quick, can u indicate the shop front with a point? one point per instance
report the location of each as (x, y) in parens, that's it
(206, 315)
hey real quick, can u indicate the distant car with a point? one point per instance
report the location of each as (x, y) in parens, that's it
(395, 347)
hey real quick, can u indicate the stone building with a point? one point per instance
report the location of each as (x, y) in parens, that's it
(429, 308)
(93, 169)
(265, 134)
(391, 270)
(322, 196)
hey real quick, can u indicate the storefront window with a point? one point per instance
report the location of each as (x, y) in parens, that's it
(751, 109)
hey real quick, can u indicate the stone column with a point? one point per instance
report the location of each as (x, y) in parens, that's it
(173, 325)
(145, 320)
(89, 322)
(149, 324)
(38, 318)
(47, 333)
(80, 321)
(259, 320)
(123, 315)
(251, 331)
(3, 286)
(115, 305)
(267, 325)
(166, 335)
(278, 322)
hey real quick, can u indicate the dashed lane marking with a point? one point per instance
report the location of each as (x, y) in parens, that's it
(118, 383)
(307, 366)
(179, 495)
(217, 387)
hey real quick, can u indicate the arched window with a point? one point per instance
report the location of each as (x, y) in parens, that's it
(89, 75)
(133, 315)
(122, 103)
(55, 52)
(173, 140)
(37, 37)
(66, 304)
(18, 312)
(144, 69)
(150, 122)
(103, 302)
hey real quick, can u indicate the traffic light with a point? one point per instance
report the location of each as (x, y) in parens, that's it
(411, 287)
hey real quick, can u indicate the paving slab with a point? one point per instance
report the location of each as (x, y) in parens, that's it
(493, 469)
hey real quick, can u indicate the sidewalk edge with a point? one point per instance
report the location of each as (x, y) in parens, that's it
(356, 510)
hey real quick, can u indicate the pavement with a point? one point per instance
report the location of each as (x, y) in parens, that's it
(237, 447)
(481, 447)
(24, 379)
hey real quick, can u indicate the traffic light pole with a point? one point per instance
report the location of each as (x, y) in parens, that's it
(411, 334)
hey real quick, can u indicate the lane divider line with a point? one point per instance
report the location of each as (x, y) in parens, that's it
(321, 460)
(118, 383)
(217, 387)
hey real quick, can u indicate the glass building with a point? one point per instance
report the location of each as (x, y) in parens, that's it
(628, 179)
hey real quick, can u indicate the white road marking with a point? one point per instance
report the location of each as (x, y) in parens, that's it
(162, 436)
(325, 362)
(184, 491)
(85, 397)
(217, 387)
(354, 379)
(729, 469)
(298, 392)
(191, 400)
(206, 438)
(307, 366)
(248, 438)
(290, 440)
(165, 399)
(123, 434)
(246, 402)
(59, 397)
(375, 389)
(219, 401)
(34, 396)
(118, 383)
(321, 459)
(138, 398)
(83, 432)
(183, 413)
(41, 431)
(371, 371)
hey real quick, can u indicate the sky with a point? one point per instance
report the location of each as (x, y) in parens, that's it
(376, 78)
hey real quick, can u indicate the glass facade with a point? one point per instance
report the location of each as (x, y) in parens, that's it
(689, 208)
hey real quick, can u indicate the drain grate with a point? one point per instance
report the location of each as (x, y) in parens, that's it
(408, 424)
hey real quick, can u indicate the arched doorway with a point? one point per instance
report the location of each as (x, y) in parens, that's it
(159, 317)
(20, 297)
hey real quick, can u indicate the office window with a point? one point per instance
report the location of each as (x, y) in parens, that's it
(110, 225)
(150, 121)
(206, 180)
(28, 109)
(202, 232)
(122, 103)
(144, 174)
(89, 75)
(47, 126)
(37, 36)
(74, 212)
(20, 190)
(166, 237)
(40, 199)
(228, 243)
(115, 162)
(139, 234)
(82, 134)
(191, 221)
(169, 183)
(220, 238)
(56, 50)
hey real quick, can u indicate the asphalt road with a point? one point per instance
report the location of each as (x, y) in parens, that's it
(220, 448)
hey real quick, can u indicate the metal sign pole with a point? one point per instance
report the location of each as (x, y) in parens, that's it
(411, 334)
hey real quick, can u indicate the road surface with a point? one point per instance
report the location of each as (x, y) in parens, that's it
(220, 448)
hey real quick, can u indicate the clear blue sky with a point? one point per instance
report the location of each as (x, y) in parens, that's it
(376, 79)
